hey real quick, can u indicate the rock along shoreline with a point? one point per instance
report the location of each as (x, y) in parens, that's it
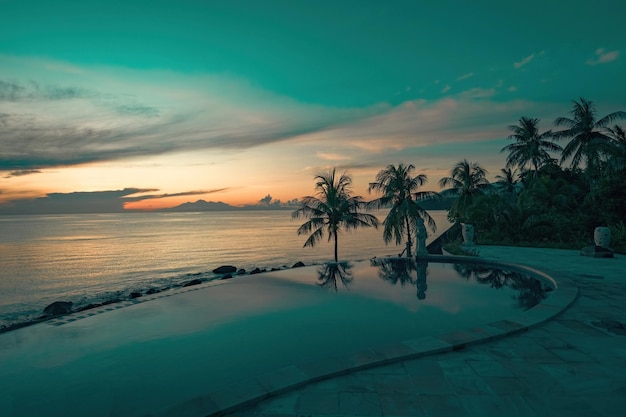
(62, 307)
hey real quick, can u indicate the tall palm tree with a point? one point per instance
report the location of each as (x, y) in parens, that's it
(530, 146)
(588, 140)
(332, 210)
(400, 190)
(466, 181)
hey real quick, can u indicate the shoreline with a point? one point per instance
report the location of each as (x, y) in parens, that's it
(129, 294)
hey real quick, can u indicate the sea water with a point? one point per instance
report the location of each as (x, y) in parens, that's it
(90, 258)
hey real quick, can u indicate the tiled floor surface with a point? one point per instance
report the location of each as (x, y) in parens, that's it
(573, 365)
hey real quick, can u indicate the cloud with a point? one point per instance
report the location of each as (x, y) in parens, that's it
(23, 172)
(524, 61)
(446, 89)
(111, 201)
(603, 56)
(465, 76)
(332, 156)
(111, 114)
(181, 194)
(76, 202)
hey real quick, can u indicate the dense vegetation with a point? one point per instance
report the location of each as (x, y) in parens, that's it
(546, 195)
(539, 200)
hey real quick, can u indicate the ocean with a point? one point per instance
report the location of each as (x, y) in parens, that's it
(94, 258)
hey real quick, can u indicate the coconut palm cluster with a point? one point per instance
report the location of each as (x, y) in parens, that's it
(547, 194)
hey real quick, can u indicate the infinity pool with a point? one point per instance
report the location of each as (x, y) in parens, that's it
(148, 357)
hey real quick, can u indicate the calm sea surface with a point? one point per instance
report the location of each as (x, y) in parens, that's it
(90, 258)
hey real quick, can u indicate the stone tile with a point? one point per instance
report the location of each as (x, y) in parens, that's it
(507, 386)
(538, 354)
(483, 406)
(400, 405)
(322, 403)
(571, 355)
(442, 406)
(490, 368)
(359, 403)
(469, 385)
(423, 367)
(394, 384)
(431, 385)
(456, 367)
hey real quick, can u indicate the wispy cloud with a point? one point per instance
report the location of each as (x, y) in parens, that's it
(328, 156)
(465, 76)
(159, 196)
(446, 89)
(91, 116)
(23, 172)
(524, 61)
(603, 56)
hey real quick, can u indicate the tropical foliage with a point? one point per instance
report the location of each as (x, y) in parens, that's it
(332, 210)
(530, 148)
(467, 180)
(589, 139)
(399, 190)
(556, 205)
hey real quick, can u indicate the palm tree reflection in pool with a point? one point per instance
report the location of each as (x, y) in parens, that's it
(530, 291)
(402, 271)
(331, 272)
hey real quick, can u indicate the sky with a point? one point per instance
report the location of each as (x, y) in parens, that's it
(147, 104)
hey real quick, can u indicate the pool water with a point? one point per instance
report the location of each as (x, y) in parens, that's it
(150, 356)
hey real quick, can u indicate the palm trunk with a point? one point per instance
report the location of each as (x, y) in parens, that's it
(408, 234)
(336, 241)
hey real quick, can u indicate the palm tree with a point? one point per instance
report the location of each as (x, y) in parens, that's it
(399, 189)
(617, 148)
(530, 147)
(507, 181)
(467, 180)
(333, 209)
(588, 141)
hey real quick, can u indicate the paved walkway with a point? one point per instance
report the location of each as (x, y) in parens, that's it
(572, 365)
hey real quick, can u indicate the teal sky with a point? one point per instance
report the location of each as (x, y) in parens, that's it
(170, 95)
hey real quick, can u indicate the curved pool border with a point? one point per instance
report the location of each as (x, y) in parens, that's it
(249, 391)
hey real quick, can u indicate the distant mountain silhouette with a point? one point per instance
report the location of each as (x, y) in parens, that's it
(202, 205)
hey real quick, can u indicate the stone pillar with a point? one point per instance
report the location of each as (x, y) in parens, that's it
(602, 236)
(467, 230)
(421, 238)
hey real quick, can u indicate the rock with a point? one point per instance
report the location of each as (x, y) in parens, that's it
(57, 308)
(596, 252)
(275, 269)
(192, 282)
(227, 276)
(135, 294)
(255, 271)
(152, 291)
(298, 264)
(241, 271)
(225, 269)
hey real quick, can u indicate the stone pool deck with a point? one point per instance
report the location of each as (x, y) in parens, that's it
(571, 365)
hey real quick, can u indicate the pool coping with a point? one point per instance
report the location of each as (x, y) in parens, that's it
(243, 393)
